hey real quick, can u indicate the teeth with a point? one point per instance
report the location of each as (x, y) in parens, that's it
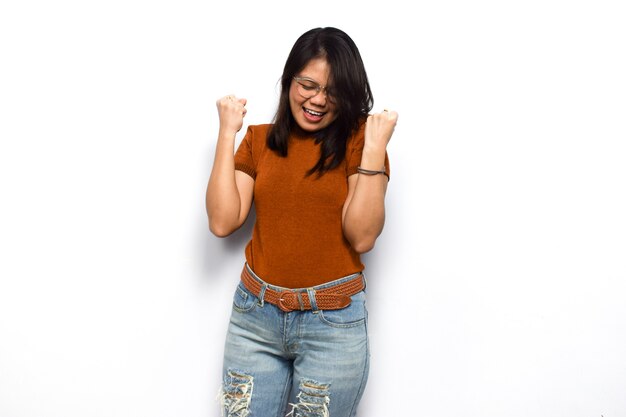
(314, 113)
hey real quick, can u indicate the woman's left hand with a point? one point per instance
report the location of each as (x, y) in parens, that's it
(379, 128)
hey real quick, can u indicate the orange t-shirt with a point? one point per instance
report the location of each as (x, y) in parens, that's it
(298, 240)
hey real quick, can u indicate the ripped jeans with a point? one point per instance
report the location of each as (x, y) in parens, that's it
(297, 364)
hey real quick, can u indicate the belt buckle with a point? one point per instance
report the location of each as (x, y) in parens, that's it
(282, 300)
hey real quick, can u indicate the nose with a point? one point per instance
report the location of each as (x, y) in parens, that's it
(319, 99)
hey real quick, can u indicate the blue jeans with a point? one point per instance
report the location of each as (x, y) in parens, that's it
(301, 363)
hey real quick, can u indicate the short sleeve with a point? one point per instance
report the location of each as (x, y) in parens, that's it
(354, 152)
(244, 159)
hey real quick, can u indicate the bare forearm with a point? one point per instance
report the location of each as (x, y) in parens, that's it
(223, 202)
(225, 206)
(365, 217)
(365, 214)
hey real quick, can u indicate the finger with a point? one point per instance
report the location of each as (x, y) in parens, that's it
(224, 100)
(391, 114)
(227, 99)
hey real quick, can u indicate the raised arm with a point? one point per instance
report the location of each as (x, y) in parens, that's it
(364, 209)
(229, 192)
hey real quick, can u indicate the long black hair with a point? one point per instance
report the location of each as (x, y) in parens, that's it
(351, 89)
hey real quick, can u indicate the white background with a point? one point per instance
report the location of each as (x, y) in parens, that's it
(497, 288)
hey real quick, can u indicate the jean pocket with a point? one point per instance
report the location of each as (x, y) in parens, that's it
(243, 300)
(353, 315)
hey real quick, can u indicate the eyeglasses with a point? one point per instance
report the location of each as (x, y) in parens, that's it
(308, 88)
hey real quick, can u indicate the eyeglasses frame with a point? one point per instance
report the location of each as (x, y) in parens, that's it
(319, 88)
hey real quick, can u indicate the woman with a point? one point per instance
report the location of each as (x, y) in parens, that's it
(297, 339)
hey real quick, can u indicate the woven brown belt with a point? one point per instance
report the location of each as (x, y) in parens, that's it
(330, 298)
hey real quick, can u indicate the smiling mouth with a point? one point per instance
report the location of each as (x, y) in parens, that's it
(313, 112)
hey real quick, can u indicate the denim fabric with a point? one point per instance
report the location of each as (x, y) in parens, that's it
(300, 363)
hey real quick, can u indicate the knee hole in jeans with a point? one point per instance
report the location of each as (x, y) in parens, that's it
(236, 393)
(313, 400)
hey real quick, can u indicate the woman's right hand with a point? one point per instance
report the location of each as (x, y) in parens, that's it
(231, 111)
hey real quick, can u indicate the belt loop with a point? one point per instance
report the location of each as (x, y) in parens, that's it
(300, 301)
(262, 295)
(311, 294)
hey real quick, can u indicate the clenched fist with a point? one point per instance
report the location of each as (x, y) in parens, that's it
(379, 128)
(231, 111)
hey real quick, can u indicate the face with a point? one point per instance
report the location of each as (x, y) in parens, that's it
(317, 112)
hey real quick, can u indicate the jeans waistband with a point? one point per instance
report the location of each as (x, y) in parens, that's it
(331, 295)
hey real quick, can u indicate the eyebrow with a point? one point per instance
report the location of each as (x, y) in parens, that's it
(312, 80)
(307, 78)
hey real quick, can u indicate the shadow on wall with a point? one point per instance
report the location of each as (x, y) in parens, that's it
(217, 255)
